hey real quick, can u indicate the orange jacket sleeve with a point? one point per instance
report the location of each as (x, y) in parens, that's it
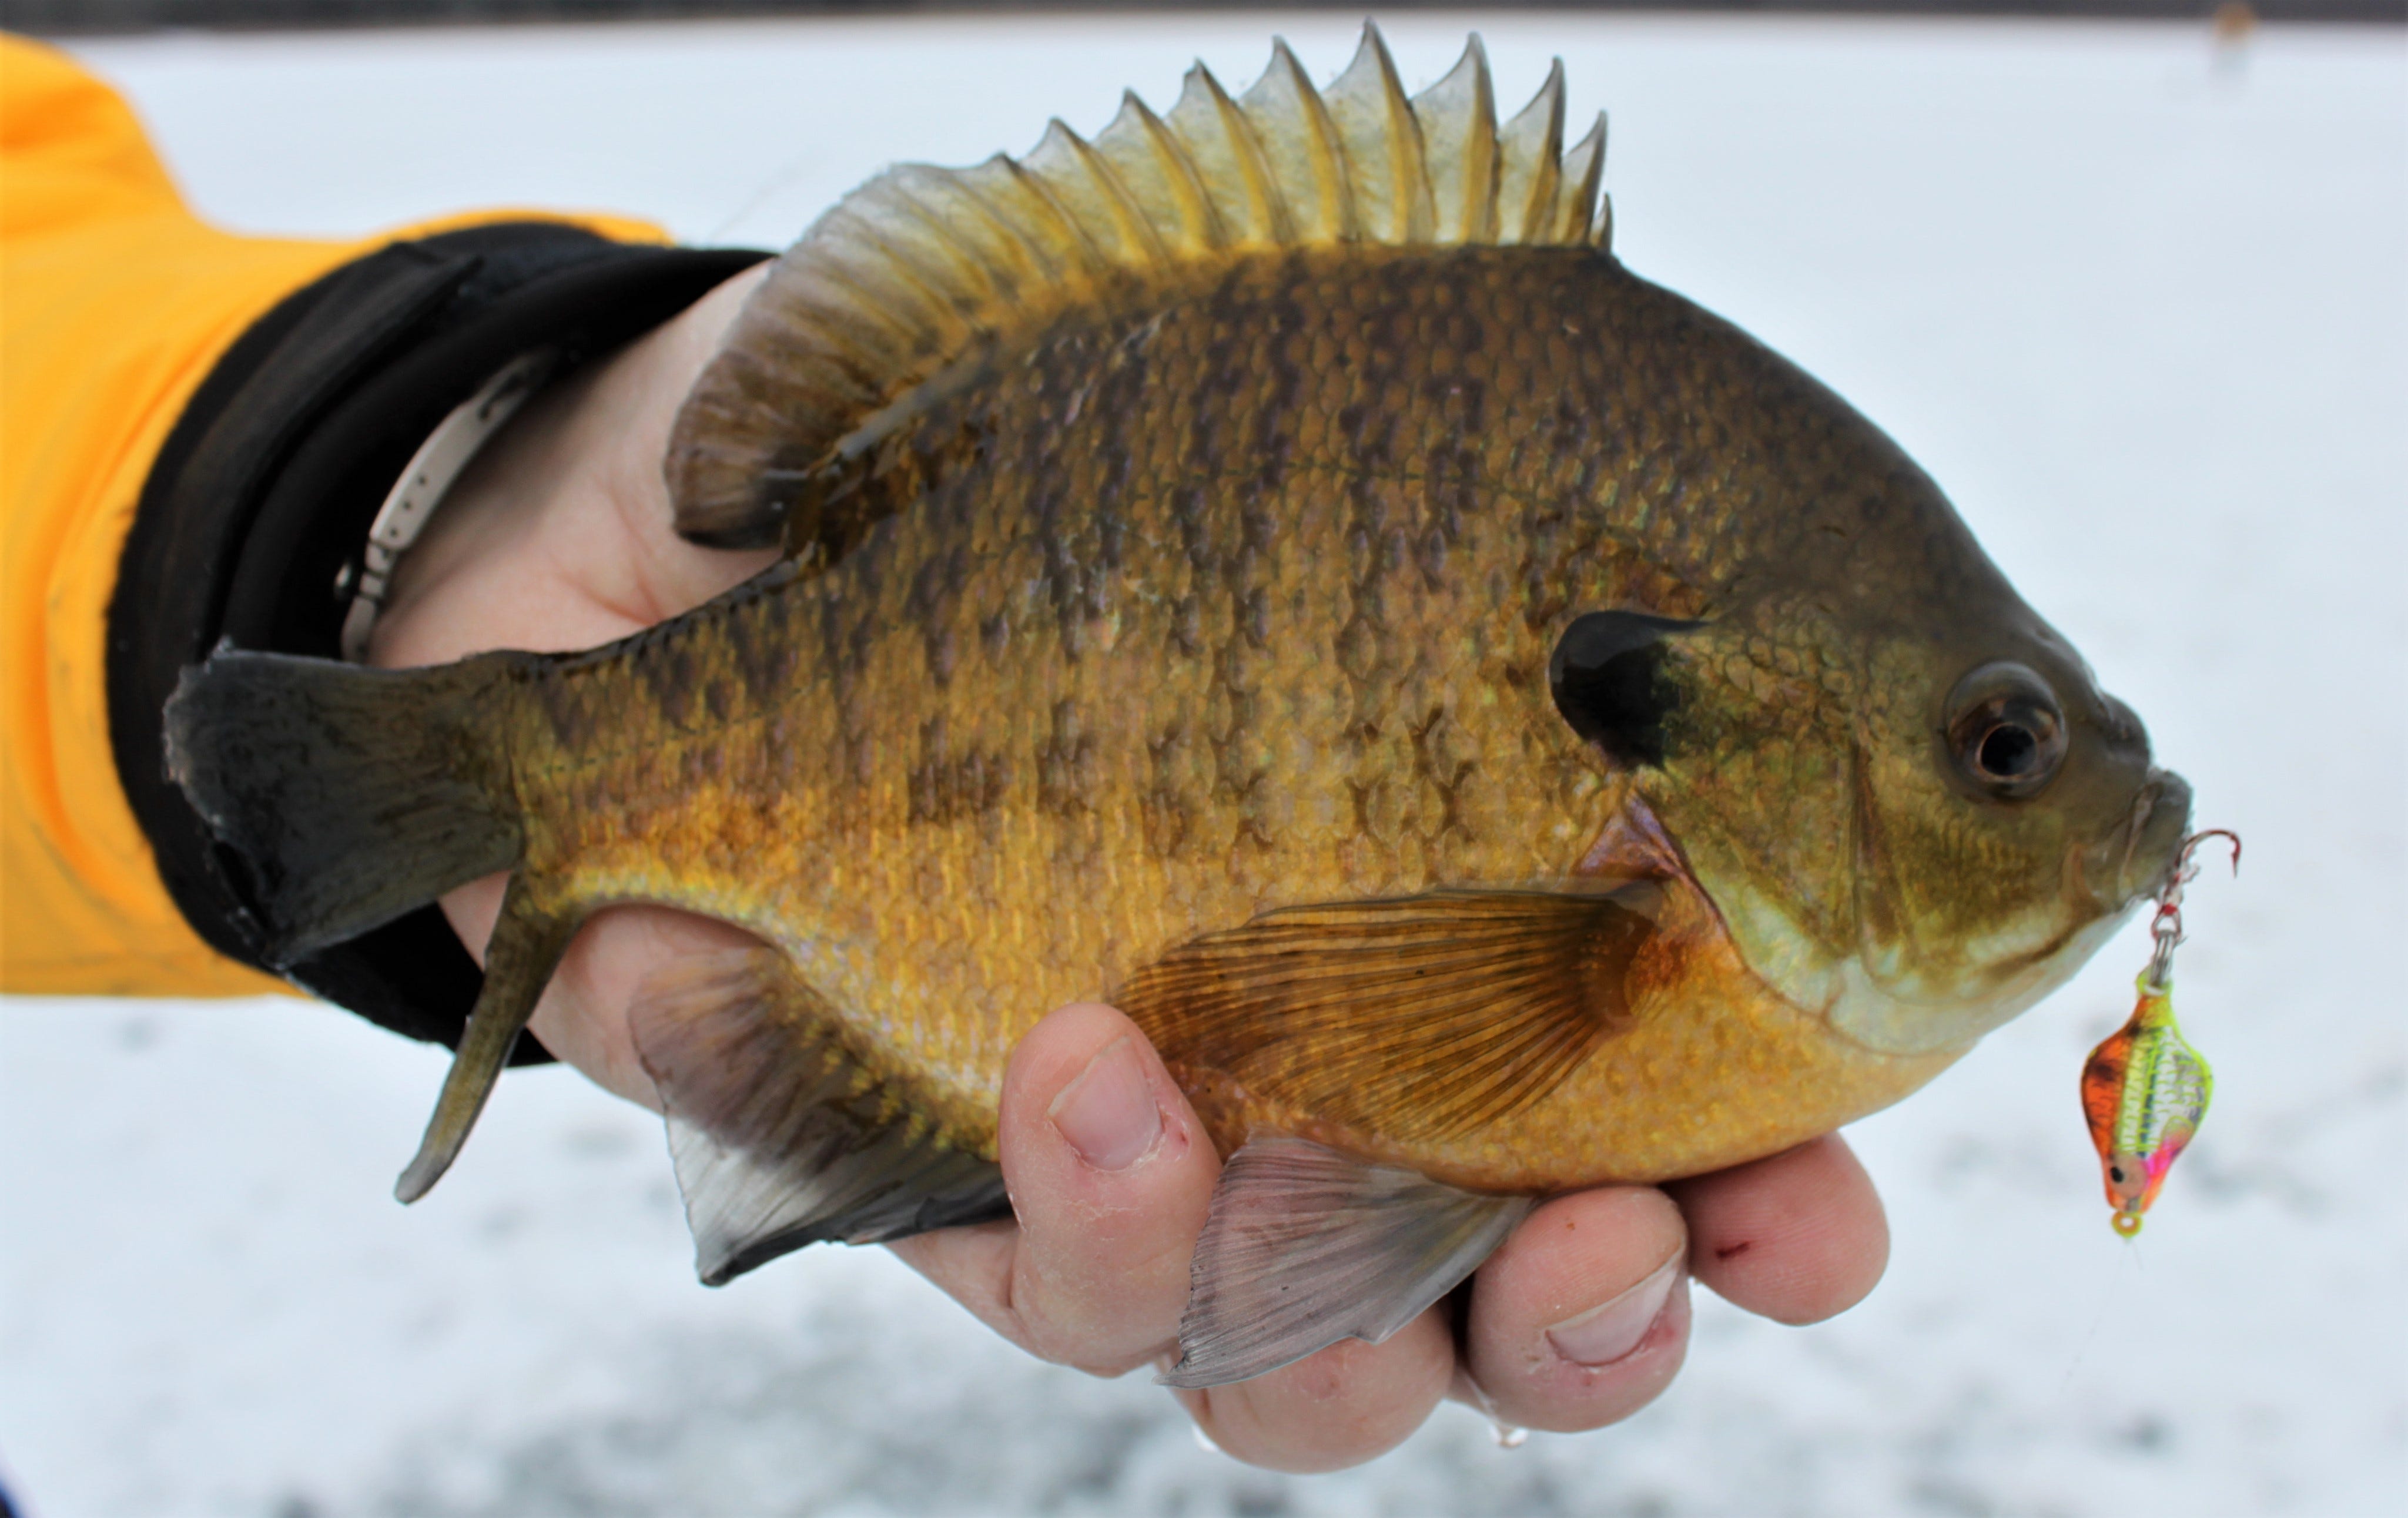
(114, 301)
(116, 304)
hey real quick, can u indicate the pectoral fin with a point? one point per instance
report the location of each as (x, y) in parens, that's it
(782, 1133)
(1306, 1246)
(1419, 1017)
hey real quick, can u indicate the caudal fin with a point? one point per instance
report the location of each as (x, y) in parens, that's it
(350, 795)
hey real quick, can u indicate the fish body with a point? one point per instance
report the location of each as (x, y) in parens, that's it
(1153, 654)
(1495, 725)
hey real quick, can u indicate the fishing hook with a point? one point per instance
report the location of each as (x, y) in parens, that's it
(2166, 927)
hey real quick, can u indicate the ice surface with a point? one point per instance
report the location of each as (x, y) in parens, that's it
(2142, 310)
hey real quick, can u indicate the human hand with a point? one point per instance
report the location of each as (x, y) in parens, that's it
(559, 537)
(1580, 1320)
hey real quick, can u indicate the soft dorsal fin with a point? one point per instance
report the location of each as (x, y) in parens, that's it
(923, 267)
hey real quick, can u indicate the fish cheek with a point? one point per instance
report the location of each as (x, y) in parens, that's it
(1965, 899)
(1929, 865)
(1755, 784)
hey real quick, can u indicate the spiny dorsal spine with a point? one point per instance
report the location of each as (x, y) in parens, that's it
(921, 266)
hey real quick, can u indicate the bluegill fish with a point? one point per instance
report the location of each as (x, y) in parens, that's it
(1497, 726)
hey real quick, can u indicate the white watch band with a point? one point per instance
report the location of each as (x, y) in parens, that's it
(431, 473)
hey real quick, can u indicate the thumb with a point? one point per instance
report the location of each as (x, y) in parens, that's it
(1111, 1174)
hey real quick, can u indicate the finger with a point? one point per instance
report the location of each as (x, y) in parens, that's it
(1340, 1407)
(1796, 1237)
(1582, 1318)
(1110, 1175)
(584, 1014)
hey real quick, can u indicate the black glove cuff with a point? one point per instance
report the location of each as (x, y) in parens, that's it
(268, 486)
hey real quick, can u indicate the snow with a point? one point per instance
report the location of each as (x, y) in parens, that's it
(2141, 306)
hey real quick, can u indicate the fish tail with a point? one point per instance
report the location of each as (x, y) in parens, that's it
(347, 795)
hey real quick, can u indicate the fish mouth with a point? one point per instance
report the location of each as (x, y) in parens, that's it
(2130, 865)
(2138, 856)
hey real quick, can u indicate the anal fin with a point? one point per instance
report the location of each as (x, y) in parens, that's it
(784, 1136)
(1306, 1246)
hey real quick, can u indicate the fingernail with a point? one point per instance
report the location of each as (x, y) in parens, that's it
(1603, 1335)
(1108, 1115)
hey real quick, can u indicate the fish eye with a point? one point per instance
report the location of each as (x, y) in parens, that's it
(2005, 731)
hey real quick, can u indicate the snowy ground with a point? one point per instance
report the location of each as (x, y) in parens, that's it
(2142, 310)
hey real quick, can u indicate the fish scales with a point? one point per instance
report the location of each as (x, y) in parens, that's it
(1142, 521)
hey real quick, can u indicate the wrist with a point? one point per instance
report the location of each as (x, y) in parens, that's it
(425, 480)
(556, 536)
(269, 481)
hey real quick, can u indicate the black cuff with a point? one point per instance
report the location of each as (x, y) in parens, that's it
(268, 486)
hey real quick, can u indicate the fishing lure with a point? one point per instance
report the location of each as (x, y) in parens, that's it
(2146, 1090)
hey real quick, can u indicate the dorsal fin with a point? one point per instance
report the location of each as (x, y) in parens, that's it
(923, 267)
(1381, 142)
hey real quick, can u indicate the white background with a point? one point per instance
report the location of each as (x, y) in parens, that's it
(2140, 305)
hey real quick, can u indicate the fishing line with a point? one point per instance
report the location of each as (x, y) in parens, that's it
(2128, 1256)
(778, 180)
